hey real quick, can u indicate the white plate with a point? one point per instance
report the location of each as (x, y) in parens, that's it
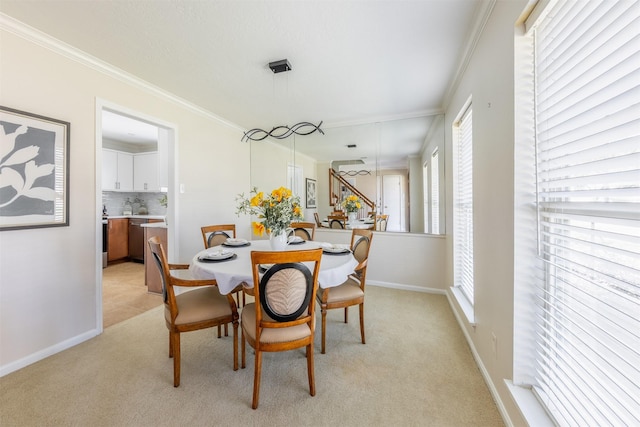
(265, 267)
(223, 254)
(295, 239)
(335, 249)
(236, 242)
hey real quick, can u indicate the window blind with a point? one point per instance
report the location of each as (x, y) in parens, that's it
(587, 72)
(463, 207)
(435, 193)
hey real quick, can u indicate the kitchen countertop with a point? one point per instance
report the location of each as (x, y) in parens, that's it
(154, 225)
(136, 216)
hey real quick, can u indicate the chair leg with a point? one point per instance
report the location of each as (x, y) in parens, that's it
(235, 345)
(324, 327)
(362, 322)
(226, 329)
(243, 344)
(170, 345)
(346, 315)
(219, 329)
(310, 370)
(256, 379)
(176, 359)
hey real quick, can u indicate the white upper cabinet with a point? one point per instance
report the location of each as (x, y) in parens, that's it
(145, 172)
(134, 172)
(117, 171)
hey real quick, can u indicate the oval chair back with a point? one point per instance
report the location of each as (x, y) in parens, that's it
(215, 235)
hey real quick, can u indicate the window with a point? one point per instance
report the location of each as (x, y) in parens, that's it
(425, 196)
(586, 276)
(435, 194)
(463, 205)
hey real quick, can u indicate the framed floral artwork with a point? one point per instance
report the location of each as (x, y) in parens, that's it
(311, 193)
(34, 170)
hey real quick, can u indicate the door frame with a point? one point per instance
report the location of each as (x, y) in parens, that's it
(170, 131)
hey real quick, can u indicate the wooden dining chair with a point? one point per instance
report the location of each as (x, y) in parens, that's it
(304, 230)
(203, 307)
(337, 221)
(381, 222)
(282, 317)
(215, 235)
(351, 292)
(317, 218)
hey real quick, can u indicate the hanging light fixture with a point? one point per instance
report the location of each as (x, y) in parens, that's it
(282, 132)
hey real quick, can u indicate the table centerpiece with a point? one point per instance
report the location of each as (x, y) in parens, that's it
(275, 212)
(351, 205)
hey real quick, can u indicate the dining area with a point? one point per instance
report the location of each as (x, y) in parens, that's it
(263, 292)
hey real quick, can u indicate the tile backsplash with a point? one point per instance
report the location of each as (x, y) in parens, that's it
(114, 201)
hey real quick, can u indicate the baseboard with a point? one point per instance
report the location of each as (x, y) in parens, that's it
(481, 367)
(44, 353)
(405, 287)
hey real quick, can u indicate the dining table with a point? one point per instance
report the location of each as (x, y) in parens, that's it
(230, 264)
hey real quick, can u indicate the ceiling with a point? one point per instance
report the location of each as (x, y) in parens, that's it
(356, 65)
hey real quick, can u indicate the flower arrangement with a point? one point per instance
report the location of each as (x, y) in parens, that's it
(351, 204)
(276, 210)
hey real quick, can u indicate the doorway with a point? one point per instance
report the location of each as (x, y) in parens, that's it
(393, 201)
(128, 273)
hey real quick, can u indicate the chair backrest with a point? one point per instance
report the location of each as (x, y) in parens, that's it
(160, 258)
(337, 221)
(317, 218)
(381, 222)
(215, 235)
(305, 230)
(360, 244)
(286, 292)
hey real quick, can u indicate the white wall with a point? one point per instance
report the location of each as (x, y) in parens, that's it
(48, 288)
(489, 79)
(400, 260)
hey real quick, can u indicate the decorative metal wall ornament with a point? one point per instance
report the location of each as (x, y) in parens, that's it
(354, 173)
(282, 132)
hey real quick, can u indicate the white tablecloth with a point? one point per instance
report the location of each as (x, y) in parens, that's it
(361, 223)
(229, 274)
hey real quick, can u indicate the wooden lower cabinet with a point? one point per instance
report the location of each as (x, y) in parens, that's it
(118, 239)
(152, 277)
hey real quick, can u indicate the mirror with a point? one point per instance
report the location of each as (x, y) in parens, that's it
(397, 164)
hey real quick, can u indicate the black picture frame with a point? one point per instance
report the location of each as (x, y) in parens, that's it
(311, 192)
(34, 165)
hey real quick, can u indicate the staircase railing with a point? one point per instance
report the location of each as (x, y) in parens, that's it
(336, 195)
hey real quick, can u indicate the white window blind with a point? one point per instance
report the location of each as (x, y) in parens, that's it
(435, 194)
(463, 208)
(587, 71)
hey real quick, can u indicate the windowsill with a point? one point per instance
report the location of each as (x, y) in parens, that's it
(531, 409)
(464, 304)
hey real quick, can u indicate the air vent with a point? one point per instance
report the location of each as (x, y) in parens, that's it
(351, 146)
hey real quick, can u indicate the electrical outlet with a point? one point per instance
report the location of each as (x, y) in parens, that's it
(494, 344)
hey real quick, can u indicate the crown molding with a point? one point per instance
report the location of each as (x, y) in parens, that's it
(482, 17)
(18, 28)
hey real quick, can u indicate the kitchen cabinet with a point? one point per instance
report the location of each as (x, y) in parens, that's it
(152, 277)
(117, 170)
(118, 239)
(136, 239)
(145, 172)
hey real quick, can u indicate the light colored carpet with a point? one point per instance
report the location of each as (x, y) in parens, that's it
(124, 294)
(415, 370)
